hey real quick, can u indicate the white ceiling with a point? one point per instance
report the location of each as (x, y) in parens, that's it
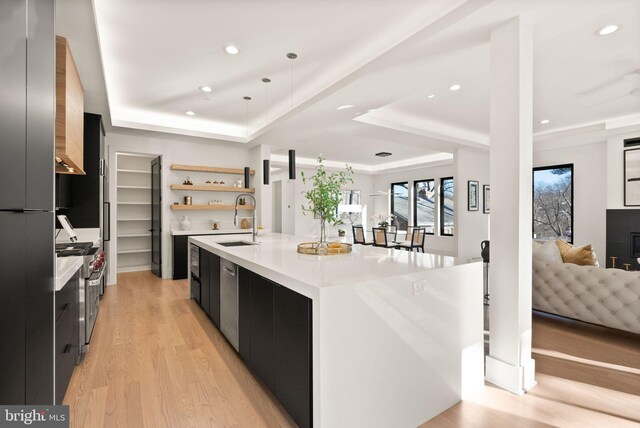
(157, 53)
(383, 55)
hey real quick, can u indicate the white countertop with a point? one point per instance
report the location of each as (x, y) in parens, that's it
(209, 232)
(65, 268)
(276, 256)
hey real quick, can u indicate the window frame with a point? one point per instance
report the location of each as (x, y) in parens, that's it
(415, 204)
(441, 204)
(533, 188)
(392, 194)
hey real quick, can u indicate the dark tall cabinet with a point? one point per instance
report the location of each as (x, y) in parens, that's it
(81, 196)
(27, 121)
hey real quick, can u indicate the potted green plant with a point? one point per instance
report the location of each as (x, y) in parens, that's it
(326, 194)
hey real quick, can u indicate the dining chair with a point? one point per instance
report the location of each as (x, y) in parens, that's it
(409, 229)
(380, 238)
(393, 230)
(417, 240)
(358, 235)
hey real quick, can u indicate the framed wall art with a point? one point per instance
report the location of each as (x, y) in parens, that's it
(632, 178)
(473, 195)
(486, 196)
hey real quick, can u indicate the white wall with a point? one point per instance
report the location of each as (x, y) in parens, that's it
(472, 227)
(304, 224)
(590, 189)
(615, 171)
(445, 244)
(180, 150)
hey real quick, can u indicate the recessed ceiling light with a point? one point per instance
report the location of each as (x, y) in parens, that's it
(383, 154)
(205, 88)
(431, 96)
(455, 87)
(232, 50)
(190, 113)
(346, 106)
(607, 29)
(544, 121)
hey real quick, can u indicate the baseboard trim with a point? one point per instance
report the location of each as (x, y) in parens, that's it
(515, 379)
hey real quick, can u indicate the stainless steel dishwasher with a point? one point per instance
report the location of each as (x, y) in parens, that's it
(229, 301)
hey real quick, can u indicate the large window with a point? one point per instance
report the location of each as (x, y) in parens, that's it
(424, 207)
(400, 204)
(553, 202)
(446, 206)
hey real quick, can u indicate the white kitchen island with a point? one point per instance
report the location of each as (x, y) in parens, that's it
(397, 336)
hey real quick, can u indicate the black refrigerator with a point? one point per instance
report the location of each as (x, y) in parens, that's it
(27, 135)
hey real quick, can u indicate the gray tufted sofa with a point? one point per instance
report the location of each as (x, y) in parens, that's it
(610, 297)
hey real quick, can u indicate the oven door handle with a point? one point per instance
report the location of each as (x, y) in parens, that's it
(96, 281)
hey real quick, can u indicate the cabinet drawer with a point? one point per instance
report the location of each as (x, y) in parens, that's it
(67, 297)
(66, 352)
(66, 326)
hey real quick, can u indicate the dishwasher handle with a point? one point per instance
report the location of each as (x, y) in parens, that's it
(229, 271)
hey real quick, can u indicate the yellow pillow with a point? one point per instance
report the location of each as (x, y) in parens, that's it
(582, 256)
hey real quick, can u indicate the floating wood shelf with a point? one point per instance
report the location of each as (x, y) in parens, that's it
(135, 171)
(198, 168)
(134, 219)
(213, 188)
(135, 251)
(135, 235)
(221, 207)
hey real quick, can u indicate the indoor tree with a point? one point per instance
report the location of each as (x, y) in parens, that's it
(325, 195)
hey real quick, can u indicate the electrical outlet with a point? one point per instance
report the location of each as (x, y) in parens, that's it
(419, 287)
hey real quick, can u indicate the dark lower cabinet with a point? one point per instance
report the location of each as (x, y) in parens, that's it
(261, 328)
(180, 253)
(66, 345)
(210, 285)
(205, 275)
(244, 313)
(214, 288)
(292, 341)
(275, 341)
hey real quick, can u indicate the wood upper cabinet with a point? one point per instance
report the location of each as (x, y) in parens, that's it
(69, 112)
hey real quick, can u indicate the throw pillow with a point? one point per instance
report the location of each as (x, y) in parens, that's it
(548, 252)
(582, 256)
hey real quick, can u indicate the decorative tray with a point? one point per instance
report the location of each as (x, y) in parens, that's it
(332, 248)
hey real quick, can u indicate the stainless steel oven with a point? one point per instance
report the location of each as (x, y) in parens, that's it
(194, 266)
(92, 272)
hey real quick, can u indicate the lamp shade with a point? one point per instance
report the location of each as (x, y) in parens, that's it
(266, 171)
(292, 164)
(247, 173)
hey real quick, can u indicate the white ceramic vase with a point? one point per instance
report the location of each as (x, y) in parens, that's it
(185, 223)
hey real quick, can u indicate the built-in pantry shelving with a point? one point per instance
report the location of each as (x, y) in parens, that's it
(133, 190)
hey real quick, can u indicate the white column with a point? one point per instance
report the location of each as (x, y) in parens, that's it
(509, 364)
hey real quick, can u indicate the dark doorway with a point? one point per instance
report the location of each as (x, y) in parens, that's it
(156, 217)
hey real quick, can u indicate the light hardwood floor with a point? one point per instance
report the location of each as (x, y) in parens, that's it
(157, 361)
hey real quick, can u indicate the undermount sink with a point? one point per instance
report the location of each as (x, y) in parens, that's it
(236, 243)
